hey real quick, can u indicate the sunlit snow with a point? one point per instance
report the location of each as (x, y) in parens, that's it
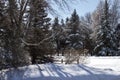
(96, 68)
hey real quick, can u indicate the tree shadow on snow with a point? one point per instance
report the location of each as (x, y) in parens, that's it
(97, 74)
(56, 72)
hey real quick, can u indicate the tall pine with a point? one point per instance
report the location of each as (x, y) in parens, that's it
(74, 35)
(105, 38)
(59, 37)
(38, 31)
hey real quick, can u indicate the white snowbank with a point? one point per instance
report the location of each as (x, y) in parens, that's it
(98, 68)
(112, 63)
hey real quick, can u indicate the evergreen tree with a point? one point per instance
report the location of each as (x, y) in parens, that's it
(56, 25)
(18, 19)
(105, 38)
(117, 35)
(39, 30)
(62, 23)
(20, 56)
(2, 34)
(57, 31)
(74, 35)
(13, 50)
(74, 22)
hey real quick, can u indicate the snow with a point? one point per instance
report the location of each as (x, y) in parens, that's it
(105, 63)
(96, 68)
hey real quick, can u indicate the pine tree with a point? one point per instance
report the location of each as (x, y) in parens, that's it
(74, 22)
(117, 35)
(39, 30)
(2, 34)
(105, 38)
(62, 23)
(57, 30)
(56, 25)
(74, 34)
(14, 54)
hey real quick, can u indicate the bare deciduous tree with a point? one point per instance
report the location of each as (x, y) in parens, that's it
(73, 55)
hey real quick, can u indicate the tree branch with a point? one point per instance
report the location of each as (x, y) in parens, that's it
(36, 44)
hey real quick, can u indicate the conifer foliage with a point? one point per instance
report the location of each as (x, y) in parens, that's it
(105, 37)
(38, 30)
(74, 35)
(27, 35)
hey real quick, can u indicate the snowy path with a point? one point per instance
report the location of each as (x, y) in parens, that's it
(66, 72)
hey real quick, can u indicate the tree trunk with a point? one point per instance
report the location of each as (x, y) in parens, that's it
(33, 59)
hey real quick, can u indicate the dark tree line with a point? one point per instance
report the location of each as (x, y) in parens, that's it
(27, 35)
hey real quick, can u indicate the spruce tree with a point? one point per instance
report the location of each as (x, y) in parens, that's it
(74, 33)
(105, 38)
(62, 23)
(14, 53)
(57, 31)
(74, 22)
(2, 34)
(117, 35)
(38, 30)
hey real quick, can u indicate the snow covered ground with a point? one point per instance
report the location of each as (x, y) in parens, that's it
(97, 68)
